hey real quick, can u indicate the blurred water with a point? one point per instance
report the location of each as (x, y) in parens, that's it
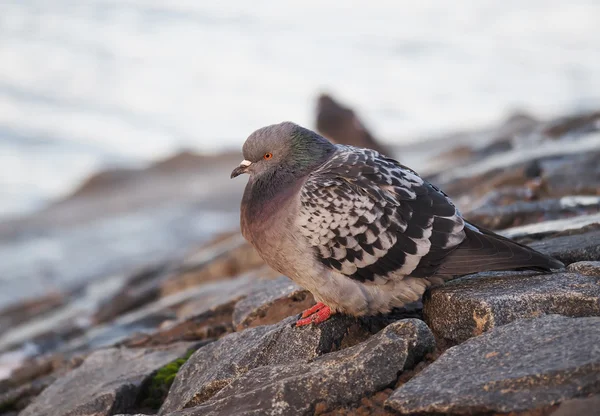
(88, 83)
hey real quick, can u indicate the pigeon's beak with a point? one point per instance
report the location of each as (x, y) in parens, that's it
(242, 168)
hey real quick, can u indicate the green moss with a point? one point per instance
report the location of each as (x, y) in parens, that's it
(159, 385)
(7, 406)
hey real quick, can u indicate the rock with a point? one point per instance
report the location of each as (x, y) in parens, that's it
(18, 398)
(587, 268)
(571, 248)
(526, 365)
(198, 313)
(341, 125)
(573, 171)
(472, 305)
(339, 377)
(218, 364)
(567, 226)
(228, 258)
(574, 125)
(141, 288)
(270, 302)
(207, 325)
(18, 313)
(107, 382)
(589, 406)
(494, 217)
(573, 174)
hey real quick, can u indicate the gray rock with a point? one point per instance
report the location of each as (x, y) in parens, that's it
(587, 268)
(589, 406)
(571, 248)
(270, 302)
(567, 226)
(472, 305)
(494, 216)
(216, 365)
(525, 365)
(337, 378)
(107, 382)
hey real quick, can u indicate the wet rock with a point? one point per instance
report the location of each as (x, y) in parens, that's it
(332, 379)
(494, 217)
(107, 382)
(528, 364)
(216, 365)
(270, 302)
(571, 248)
(341, 125)
(472, 305)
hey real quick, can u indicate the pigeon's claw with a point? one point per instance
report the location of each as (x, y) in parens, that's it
(315, 315)
(310, 311)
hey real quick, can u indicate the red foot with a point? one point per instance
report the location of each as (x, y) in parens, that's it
(310, 311)
(315, 315)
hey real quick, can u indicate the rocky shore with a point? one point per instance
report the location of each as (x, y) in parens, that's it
(161, 307)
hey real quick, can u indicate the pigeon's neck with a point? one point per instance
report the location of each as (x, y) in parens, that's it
(266, 192)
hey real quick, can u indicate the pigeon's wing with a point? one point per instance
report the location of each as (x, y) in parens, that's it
(372, 219)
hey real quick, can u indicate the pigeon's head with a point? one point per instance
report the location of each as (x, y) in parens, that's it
(284, 147)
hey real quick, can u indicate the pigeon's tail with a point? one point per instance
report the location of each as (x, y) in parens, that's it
(483, 250)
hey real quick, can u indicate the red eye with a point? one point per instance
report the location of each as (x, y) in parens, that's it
(268, 156)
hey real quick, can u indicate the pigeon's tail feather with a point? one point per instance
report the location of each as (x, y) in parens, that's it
(483, 250)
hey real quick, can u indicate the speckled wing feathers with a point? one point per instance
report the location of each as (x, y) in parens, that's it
(373, 220)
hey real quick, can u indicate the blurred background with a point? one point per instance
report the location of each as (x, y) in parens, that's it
(121, 120)
(96, 83)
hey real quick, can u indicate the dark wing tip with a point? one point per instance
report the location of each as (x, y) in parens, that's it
(484, 250)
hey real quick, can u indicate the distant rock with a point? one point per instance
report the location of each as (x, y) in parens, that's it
(139, 289)
(494, 216)
(572, 248)
(296, 387)
(528, 364)
(217, 365)
(199, 313)
(472, 305)
(270, 302)
(228, 258)
(107, 382)
(560, 174)
(341, 125)
(22, 312)
(580, 224)
(573, 125)
(181, 163)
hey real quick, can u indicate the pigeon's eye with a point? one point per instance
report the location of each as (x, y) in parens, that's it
(268, 156)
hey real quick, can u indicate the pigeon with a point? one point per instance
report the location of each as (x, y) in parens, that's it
(360, 231)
